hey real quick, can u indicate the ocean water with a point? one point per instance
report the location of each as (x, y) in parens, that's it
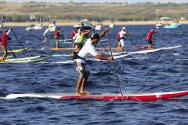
(137, 73)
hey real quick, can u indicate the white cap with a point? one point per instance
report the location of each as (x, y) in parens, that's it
(123, 28)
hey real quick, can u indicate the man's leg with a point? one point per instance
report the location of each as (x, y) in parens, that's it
(4, 53)
(82, 88)
(122, 45)
(79, 83)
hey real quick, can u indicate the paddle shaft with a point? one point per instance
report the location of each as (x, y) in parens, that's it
(20, 43)
(104, 48)
(11, 51)
(155, 38)
(114, 66)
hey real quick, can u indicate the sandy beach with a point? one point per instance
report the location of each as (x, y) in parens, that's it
(67, 22)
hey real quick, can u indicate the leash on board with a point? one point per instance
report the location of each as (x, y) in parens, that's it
(20, 43)
(115, 67)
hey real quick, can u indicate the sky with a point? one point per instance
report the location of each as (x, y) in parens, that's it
(99, 1)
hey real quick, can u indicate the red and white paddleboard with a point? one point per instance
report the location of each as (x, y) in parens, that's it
(133, 97)
(105, 97)
(141, 47)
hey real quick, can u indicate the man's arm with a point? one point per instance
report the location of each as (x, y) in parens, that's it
(102, 57)
(87, 32)
(102, 34)
(9, 30)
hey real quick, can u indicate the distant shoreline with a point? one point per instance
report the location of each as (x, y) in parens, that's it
(67, 23)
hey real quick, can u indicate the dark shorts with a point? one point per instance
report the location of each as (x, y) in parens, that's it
(81, 69)
(79, 45)
(56, 38)
(150, 41)
(118, 40)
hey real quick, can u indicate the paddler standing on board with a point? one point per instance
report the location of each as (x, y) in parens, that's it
(121, 36)
(81, 38)
(80, 61)
(74, 32)
(45, 34)
(149, 38)
(56, 37)
(4, 40)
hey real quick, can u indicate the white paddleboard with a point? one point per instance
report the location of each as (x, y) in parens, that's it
(26, 59)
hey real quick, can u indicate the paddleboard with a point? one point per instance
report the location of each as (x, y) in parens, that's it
(16, 50)
(133, 52)
(26, 59)
(69, 55)
(57, 49)
(147, 50)
(60, 55)
(66, 40)
(104, 97)
(141, 47)
(102, 49)
(155, 50)
(91, 59)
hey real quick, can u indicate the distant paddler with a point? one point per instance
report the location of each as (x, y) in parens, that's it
(149, 38)
(45, 34)
(74, 35)
(4, 40)
(80, 61)
(57, 35)
(121, 37)
(81, 38)
(74, 32)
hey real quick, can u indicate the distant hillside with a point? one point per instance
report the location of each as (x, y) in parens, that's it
(19, 12)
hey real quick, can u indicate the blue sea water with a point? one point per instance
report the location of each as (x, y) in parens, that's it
(141, 73)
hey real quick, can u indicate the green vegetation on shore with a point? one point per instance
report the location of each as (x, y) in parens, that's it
(19, 12)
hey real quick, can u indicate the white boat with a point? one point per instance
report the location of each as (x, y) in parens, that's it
(1, 26)
(85, 24)
(168, 23)
(98, 27)
(111, 25)
(34, 27)
(172, 25)
(158, 25)
(30, 27)
(38, 26)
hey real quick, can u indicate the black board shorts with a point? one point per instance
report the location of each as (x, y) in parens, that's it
(150, 42)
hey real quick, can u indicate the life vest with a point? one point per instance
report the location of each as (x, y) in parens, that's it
(118, 36)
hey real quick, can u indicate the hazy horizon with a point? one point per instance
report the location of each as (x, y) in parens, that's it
(99, 1)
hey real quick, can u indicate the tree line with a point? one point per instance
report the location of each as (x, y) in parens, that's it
(19, 12)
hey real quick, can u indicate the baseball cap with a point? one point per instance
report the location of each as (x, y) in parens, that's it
(123, 28)
(95, 36)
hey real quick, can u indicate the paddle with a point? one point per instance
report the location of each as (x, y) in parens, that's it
(114, 66)
(14, 55)
(154, 40)
(20, 43)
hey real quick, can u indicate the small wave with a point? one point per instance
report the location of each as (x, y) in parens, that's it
(32, 95)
